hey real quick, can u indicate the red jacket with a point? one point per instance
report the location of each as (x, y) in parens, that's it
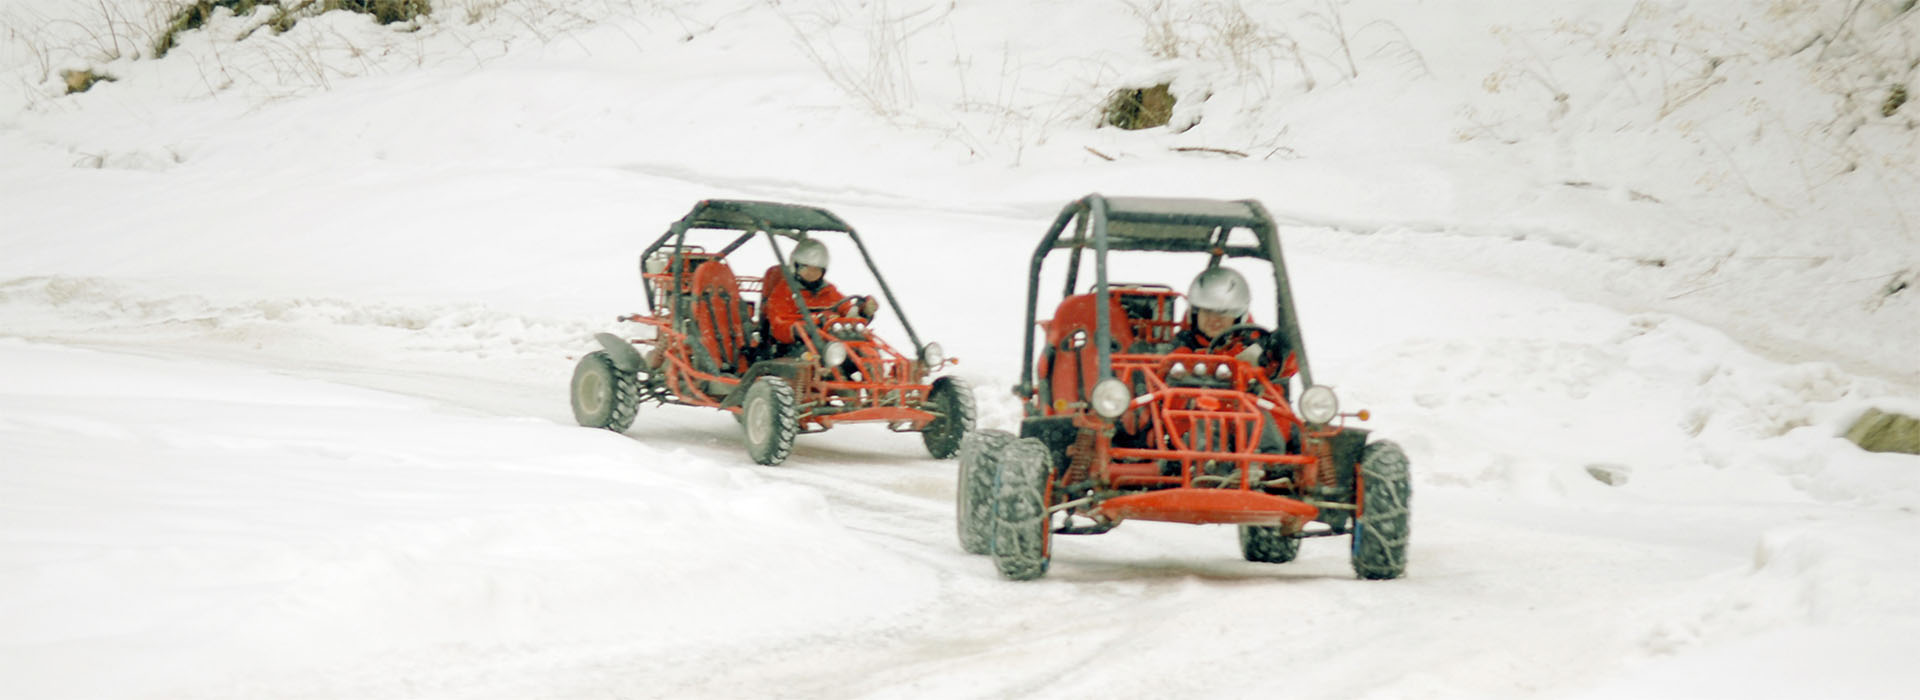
(782, 316)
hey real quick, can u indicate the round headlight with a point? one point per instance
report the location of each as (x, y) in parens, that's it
(932, 355)
(1177, 371)
(1110, 398)
(835, 354)
(1318, 405)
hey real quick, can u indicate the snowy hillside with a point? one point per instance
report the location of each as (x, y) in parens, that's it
(288, 317)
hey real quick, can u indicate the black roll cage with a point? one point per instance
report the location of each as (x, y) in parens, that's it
(1156, 224)
(775, 220)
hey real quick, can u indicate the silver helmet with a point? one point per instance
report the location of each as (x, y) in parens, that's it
(811, 253)
(1220, 290)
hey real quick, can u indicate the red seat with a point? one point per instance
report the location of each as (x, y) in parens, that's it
(720, 316)
(1070, 364)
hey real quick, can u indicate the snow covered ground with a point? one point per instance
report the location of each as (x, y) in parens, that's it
(286, 322)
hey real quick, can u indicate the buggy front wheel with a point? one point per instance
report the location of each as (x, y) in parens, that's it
(1021, 526)
(771, 420)
(979, 464)
(1380, 531)
(952, 399)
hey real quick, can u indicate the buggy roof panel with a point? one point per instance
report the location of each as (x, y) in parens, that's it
(1170, 224)
(744, 215)
(1192, 212)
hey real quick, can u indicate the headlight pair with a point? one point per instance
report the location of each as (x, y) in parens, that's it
(1318, 404)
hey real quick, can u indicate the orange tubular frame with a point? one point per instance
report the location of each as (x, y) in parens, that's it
(1205, 431)
(891, 382)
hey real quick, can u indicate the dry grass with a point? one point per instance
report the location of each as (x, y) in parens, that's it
(193, 15)
(384, 11)
(83, 80)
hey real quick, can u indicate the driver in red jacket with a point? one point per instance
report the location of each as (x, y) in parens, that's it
(809, 264)
(1219, 298)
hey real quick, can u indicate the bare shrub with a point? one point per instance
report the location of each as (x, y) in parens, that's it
(883, 81)
(1261, 43)
(1251, 47)
(1162, 36)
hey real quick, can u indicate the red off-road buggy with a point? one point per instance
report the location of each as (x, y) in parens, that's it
(710, 345)
(1120, 425)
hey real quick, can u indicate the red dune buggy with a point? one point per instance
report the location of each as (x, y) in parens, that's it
(711, 344)
(1123, 423)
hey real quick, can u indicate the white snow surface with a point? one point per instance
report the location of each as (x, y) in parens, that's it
(286, 321)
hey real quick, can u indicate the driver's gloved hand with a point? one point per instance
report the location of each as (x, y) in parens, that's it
(1277, 350)
(1253, 354)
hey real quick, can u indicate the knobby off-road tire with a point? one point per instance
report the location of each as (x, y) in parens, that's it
(1021, 527)
(1263, 543)
(1380, 532)
(770, 419)
(979, 462)
(603, 396)
(952, 398)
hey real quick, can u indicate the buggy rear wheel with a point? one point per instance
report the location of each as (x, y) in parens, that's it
(1267, 544)
(1021, 526)
(979, 460)
(1380, 531)
(602, 395)
(770, 419)
(952, 398)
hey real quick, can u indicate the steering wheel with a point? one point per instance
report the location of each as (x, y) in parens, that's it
(1246, 334)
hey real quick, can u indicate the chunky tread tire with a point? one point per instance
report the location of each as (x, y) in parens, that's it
(602, 395)
(771, 420)
(1267, 544)
(952, 397)
(1021, 527)
(1380, 532)
(979, 460)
